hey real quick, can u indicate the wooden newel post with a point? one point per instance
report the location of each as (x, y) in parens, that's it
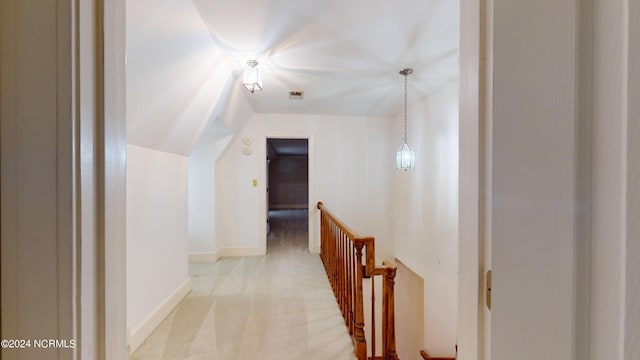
(389, 305)
(358, 335)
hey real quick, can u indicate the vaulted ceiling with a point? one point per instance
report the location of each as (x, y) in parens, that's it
(185, 61)
(344, 55)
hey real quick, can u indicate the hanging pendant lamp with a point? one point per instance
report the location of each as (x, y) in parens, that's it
(251, 77)
(405, 157)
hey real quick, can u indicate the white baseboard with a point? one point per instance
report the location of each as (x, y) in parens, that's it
(226, 252)
(241, 251)
(315, 249)
(204, 257)
(128, 338)
(142, 331)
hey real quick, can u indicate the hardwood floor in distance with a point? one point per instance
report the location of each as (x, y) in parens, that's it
(277, 306)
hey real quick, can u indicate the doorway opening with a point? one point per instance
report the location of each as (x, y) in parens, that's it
(287, 194)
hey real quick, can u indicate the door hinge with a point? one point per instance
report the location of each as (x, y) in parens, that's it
(488, 289)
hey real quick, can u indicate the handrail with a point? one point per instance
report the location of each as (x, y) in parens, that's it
(341, 251)
(366, 241)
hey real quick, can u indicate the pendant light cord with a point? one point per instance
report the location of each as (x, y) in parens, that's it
(405, 106)
(405, 72)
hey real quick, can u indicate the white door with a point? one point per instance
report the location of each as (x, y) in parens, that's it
(534, 204)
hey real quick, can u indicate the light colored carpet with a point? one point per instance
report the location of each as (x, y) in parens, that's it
(277, 306)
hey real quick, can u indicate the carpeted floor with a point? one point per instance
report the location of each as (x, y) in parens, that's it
(277, 306)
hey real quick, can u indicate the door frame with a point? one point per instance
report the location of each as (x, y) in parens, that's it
(313, 242)
(472, 342)
(469, 329)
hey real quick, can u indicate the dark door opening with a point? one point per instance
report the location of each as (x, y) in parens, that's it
(287, 193)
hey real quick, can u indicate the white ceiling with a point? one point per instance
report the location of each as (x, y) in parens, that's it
(345, 55)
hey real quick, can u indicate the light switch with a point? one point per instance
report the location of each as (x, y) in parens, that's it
(255, 183)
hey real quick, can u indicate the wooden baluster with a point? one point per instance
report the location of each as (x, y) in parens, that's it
(373, 318)
(321, 237)
(340, 273)
(385, 310)
(330, 235)
(350, 290)
(338, 244)
(340, 247)
(345, 291)
(341, 253)
(330, 252)
(337, 262)
(334, 264)
(325, 240)
(343, 278)
(360, 343)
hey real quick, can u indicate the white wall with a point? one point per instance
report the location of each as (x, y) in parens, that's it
(351, 163)
(202, 197)
(156, 230)
(234, 112)
(409, 302)
(425, 213)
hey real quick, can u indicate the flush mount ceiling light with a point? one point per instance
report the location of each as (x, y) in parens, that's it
(251, 77)
(405, 157)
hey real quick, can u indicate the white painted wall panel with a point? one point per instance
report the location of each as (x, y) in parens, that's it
(202, 198)
(353, 165)
(234, 112)
(156, 229)
(425, 213)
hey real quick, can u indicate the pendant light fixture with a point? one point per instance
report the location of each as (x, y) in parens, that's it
(405, 157)
(251, 77)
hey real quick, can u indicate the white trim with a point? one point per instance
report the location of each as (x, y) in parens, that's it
(146, 327)
(128, 338)
(204, 257)
(241, 251)
(226, 252)
(470, 324)
(111, 148)
(314, 235)
(314, 249)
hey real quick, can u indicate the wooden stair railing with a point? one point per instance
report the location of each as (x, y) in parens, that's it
(341, 251)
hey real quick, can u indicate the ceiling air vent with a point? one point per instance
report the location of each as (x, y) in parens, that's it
(296, 95)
